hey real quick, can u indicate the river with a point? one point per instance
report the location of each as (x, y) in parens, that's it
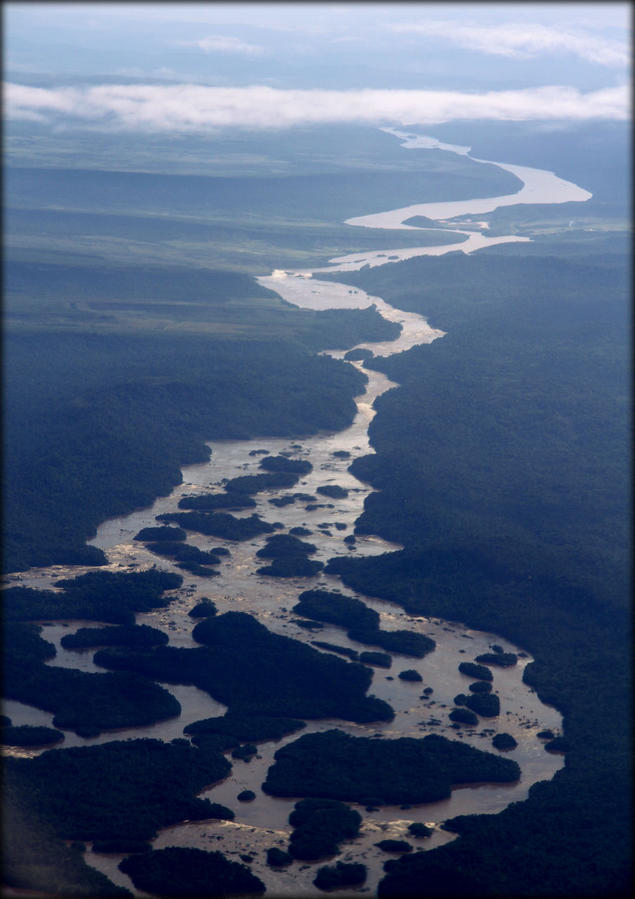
(263, 823)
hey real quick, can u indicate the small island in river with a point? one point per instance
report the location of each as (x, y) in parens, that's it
(336, 765)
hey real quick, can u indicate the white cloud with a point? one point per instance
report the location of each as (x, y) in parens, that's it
(39, 99)
(220, 43)
(195, 107)
(522, 40)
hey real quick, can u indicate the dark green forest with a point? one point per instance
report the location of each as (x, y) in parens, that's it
(335, 765)
(81, 701)
(256, 672)
(319, 826)
(184, 872)
(502, 464)
(80, 794)
(361, 622)
(532, 465)
(160, 786)
(114, 416)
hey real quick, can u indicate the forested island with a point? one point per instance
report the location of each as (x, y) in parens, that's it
(256, 672)
(361, 623)
(335, 765)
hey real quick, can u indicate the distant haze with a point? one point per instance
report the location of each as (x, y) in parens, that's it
(195, 66)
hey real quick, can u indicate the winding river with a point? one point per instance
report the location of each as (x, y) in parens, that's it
(263, 823)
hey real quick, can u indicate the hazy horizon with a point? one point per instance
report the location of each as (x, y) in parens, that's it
(196, 67)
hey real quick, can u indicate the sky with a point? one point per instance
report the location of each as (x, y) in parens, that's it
(204, 66)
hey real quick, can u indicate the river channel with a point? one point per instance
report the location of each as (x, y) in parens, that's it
(263, 822)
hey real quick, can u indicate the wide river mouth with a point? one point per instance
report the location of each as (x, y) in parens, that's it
(263, 823)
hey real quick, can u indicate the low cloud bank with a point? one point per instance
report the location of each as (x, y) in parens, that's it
(523, 40)
(191, 107)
